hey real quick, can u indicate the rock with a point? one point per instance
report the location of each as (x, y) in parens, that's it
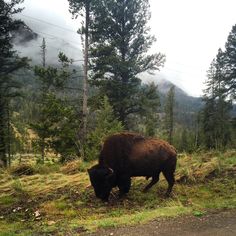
(51, 222)
(36, 214)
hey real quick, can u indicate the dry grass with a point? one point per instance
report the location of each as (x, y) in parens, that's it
(75, 166)
(64, 200)
(22, 169)
(195, 168)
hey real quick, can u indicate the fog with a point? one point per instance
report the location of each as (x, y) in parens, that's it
(59, 31)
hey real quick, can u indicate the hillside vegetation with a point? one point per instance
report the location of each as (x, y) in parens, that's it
(58, 200)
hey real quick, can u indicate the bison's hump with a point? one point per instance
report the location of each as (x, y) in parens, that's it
(118, 148)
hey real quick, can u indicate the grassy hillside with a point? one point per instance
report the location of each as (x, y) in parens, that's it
(58, 200)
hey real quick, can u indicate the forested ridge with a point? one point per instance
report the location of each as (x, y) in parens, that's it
(41, 91)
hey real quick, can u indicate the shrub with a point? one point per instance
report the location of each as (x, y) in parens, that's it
(106, 124)
(22, 169)
(46, 168)
(74, 167)
(195, 169)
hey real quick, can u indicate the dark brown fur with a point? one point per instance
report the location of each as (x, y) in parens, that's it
(130, 154)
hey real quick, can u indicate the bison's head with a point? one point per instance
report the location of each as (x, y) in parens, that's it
(102, 180)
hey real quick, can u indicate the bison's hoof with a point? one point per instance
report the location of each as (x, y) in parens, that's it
(122, 195)
(106, 200)
(167, 195)
(145, 190)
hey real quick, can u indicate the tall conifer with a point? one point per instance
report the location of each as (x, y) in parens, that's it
(119, 49)
(10, 62)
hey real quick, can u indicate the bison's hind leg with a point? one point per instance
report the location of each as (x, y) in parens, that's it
(154, 180)
(169, 175)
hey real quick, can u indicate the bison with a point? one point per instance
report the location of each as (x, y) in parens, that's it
(126, 155)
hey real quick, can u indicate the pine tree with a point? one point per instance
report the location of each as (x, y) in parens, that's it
(216, 113)
(169, 111)
(184, 141)
(106, 124)
(119, 44)
(149, 106)
(10, 62)
(230, 64)
(52, 81)
(62, 131)
(85, 9)
(209, 111)
(208, 122)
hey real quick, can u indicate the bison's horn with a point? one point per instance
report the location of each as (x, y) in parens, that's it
(111, 170)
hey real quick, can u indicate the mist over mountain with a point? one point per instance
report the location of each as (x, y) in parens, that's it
(183, 100)
(23, 36)
(28, 43)
(32, 50)
(28, 39)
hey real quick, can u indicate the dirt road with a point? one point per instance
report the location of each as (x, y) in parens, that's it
(212, 224)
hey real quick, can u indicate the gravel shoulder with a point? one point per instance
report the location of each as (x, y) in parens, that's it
(218, 223)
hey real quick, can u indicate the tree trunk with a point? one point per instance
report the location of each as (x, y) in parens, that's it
(43, 150)
(8, 135)
(170, 139)
(43, 47)
(85, 77)
(3, 157)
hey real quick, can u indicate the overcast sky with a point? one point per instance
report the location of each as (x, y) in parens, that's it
(188, 32)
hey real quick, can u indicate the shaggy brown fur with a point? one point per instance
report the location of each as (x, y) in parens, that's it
(131, 154)
(117, 148)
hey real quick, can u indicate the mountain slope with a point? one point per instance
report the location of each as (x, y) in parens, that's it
(183, 101)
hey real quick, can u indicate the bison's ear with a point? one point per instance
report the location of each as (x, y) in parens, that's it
(101, 172)
(109, 172)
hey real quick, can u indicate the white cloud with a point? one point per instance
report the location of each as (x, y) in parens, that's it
(190, 32)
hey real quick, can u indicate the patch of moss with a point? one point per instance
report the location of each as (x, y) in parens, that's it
(14, 228)
(7, 200)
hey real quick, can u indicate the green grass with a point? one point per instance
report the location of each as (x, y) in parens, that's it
(66, 203)
(135, 218)
(15, 228)
(7, 200)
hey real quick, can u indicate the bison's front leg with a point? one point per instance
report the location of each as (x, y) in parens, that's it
(155, 179)
(124, 183)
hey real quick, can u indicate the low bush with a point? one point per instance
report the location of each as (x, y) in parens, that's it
(22, 169)
(46, 168)
(201, 166)
(74, 167)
